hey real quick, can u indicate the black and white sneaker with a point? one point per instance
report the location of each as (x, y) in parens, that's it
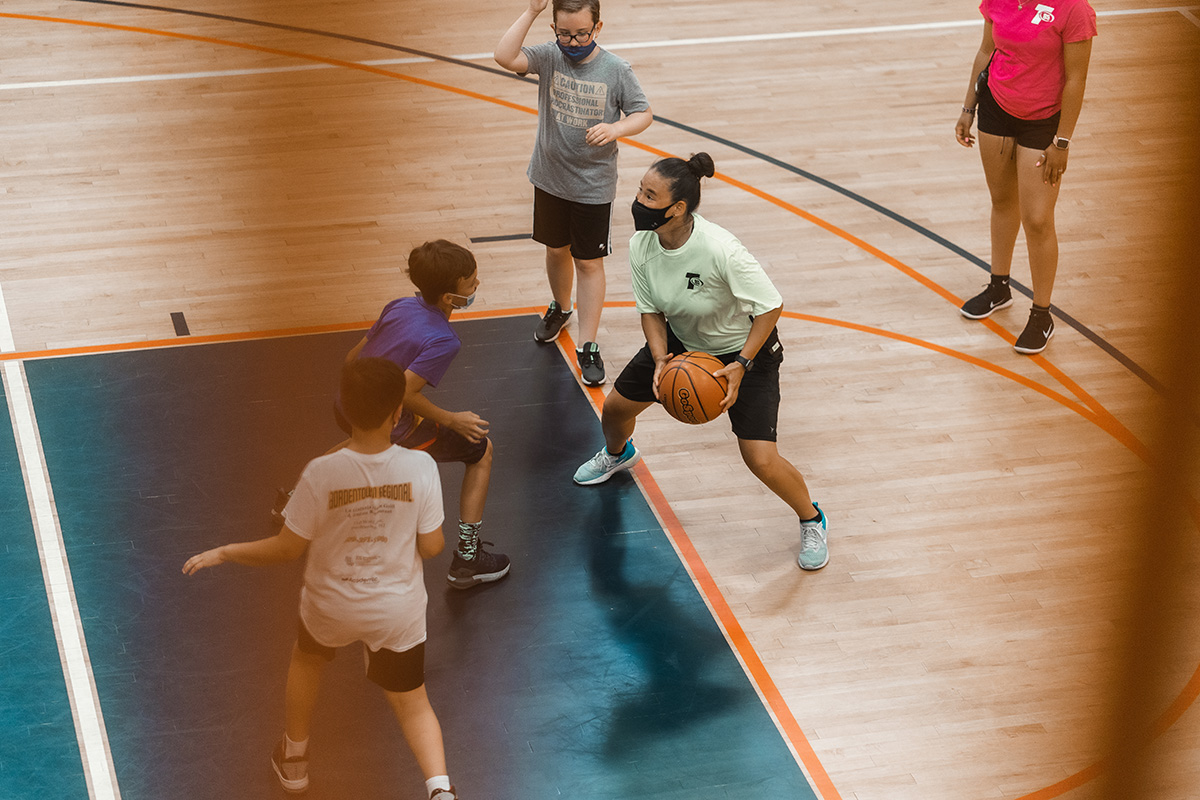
(994, 297)
(292, 772)
(551, 324)
(444, 794)
(1037, 332)
(485, 567)
(591, 365)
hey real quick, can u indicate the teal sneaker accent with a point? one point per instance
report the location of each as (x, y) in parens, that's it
(604, 465)
(814, 545)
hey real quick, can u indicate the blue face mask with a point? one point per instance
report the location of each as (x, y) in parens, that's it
(466, 301)
(577, 53)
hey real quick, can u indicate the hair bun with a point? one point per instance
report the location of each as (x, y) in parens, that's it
(701, 165)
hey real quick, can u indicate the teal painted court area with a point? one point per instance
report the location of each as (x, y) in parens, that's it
(594, 671)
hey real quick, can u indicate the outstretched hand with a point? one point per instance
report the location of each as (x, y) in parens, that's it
(209, 558)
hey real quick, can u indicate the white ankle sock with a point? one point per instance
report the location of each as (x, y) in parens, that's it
(437, 782)
(291, 749)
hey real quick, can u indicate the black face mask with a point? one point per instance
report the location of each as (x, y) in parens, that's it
(649, 219)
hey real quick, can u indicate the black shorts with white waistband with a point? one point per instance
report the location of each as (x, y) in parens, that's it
(586, 228)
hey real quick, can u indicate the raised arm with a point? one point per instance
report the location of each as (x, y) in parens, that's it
(283, 546)
(508, 52)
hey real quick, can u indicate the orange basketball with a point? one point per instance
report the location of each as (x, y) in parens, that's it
(690, 392)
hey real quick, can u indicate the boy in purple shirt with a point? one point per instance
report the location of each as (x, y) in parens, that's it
(415, 334)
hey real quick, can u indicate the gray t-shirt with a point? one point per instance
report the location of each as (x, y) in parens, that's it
(571, 99)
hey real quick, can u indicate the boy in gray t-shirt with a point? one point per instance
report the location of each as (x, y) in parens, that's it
(583, 91)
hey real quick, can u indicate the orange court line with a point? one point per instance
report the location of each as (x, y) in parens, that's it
(1095, 411)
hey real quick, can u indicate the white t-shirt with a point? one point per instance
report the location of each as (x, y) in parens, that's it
(361, 513)
(709, 289)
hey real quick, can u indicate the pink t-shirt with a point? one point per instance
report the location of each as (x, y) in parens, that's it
(1026, 75)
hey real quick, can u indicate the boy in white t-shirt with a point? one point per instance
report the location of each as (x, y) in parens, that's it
(367, 515)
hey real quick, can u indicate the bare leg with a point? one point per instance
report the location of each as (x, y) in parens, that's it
(778, 474)
(421, 729)
(476, 479)
(618, 420)
(592, 288)
(1000, 170)
(300, 697)
(560, 271)
(1037, 216)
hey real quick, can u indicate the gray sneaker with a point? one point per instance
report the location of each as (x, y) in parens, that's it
(292, 772)
(551, 324)
(604, 465)
(814, 546)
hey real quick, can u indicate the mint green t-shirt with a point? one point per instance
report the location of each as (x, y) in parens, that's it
(709, 290)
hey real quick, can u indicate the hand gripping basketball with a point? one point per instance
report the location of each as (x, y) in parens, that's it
(688, 389)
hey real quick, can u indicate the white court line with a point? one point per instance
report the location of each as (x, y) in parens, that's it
(90, 731)
(1185, 11)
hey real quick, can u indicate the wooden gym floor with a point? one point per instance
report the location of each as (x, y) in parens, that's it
(226, 171)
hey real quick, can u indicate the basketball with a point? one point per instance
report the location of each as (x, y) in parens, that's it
(690, 392)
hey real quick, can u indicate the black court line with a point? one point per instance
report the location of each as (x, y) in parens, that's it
(512, 237)
(1083, 330)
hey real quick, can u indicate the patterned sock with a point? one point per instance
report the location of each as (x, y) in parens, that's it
(468, 539)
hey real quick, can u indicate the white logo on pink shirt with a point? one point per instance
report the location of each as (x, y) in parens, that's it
(1043, 14)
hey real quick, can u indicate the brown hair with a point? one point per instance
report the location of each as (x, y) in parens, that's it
(571, 6)
(437, 267)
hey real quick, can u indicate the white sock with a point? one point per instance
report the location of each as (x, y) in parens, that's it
(291, 749)
(437, 782)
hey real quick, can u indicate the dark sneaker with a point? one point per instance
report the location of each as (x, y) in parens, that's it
(292, 772)
(485, 567)
(994, 297)
(552, 323)
(444, 794)
(591, 365)
(1037, 332)
(282, 496)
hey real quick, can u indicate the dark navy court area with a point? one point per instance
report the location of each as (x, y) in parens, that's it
(594, 670)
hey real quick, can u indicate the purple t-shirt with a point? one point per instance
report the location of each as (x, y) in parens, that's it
(415, 336)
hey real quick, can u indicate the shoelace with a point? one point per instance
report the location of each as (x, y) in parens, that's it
(810, 538)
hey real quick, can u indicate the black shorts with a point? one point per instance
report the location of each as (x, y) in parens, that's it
(755, 413)
(1036, 134)
(558, 223)
(392, 671)
(444, 444)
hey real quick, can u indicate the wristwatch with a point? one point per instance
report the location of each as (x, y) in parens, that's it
(1061, 143)
(747, 363)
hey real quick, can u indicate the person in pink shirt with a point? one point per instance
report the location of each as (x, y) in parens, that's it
(1027, 85)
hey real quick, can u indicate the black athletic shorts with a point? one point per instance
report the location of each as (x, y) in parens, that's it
(558, 223)
(445, 445)
(753, 416)
(1036, 134)
(391, 670)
